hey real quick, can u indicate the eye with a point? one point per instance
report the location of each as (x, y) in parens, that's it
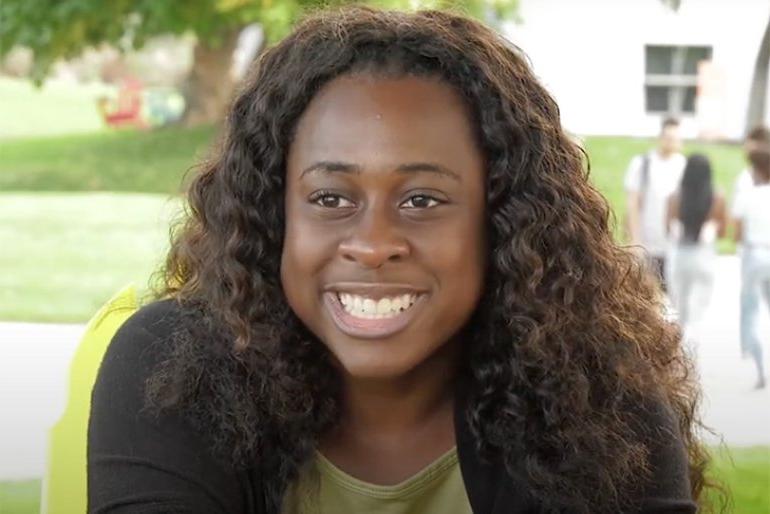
(330, 200)
(420, 201)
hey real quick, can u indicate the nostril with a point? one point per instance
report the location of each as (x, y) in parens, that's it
(373, 252)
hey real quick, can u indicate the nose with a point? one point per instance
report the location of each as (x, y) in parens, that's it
(374, 241)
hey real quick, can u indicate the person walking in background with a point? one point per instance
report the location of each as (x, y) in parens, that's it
(650, 180)
(695, 218)
(752, 230)
(757, 137)
(749, 302)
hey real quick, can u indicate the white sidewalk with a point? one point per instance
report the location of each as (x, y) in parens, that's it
(34, 359)
(730, 404)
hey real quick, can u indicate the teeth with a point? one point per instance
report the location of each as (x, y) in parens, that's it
(383, 306)
(368, 308)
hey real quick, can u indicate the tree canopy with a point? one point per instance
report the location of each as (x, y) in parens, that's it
(62, 29)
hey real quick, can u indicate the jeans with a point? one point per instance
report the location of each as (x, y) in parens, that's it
(692, 280)
(755, 287)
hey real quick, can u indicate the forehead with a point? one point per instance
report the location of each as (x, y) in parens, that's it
(365, 118)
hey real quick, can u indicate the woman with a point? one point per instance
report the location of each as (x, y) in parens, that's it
(752, 230)
(396, 291)
(695, 218)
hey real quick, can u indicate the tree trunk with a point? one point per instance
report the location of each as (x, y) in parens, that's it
(210, 83)
(758, 95)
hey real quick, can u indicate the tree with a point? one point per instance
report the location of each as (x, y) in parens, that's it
(759, 86)
(62, 29)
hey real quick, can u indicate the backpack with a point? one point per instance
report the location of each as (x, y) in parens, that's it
(643, 186)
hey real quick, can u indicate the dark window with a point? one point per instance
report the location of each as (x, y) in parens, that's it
(657, 99)
(671, 77)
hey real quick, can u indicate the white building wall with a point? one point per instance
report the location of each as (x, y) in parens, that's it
(590, 55)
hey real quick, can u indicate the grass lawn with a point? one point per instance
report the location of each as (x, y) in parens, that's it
(69, 252)
(148, 162)
(747, 476)
(53, 109)
(22, 497)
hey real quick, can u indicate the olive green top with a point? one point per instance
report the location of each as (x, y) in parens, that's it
(323, 488)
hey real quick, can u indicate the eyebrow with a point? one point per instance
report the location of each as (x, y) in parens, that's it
(408, 168)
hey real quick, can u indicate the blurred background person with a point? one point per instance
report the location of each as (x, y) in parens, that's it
(695, 218)
(752, 230)
(757, 137)
(650, 180)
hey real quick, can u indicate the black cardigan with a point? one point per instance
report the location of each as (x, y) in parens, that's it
(140, 464)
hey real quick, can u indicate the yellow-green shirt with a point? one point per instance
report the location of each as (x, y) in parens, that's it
(323, 488)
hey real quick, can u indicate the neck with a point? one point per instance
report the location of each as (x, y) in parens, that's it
(401, 405)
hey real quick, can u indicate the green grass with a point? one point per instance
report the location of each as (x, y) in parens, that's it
(53, 109)
(149, 162)
(21, 497)
(69, 252)
(747, 476)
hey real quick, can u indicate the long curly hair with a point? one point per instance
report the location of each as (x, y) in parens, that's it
(570, 330)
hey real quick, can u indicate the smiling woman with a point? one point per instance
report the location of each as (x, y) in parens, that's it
(396, 291)
(398, 218)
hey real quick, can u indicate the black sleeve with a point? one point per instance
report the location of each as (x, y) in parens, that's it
(668, 491)
(140, 463)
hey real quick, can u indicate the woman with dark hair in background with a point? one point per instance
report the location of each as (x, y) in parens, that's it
(695, 219)
(397, 291)
(752, 230)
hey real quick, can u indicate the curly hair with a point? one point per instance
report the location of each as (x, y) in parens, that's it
(569, 333)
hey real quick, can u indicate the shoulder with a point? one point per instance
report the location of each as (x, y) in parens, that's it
(145, 458)
(137, 347)
(157, 318)
(143, 336)
(658, 427)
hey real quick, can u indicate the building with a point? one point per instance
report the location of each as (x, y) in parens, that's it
(617, 67)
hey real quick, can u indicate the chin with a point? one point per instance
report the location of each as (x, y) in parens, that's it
(376, 366)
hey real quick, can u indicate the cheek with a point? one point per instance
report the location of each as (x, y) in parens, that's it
(305, 252)
(457, 256)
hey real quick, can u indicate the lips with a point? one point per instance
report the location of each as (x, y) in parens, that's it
(367, 311)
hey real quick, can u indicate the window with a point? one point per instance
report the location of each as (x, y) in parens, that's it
(671, 77)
